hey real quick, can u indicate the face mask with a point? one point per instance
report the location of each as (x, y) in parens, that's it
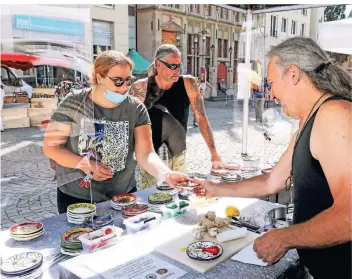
(115, 98)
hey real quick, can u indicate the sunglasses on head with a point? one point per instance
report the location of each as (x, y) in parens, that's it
(171, 66)
(120, 81)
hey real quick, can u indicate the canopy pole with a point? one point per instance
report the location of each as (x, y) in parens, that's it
(247, 94)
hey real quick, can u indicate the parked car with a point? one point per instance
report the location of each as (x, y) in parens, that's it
(11, 83)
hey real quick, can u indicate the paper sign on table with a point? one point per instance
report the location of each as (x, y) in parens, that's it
(147, 266)
(248, 256)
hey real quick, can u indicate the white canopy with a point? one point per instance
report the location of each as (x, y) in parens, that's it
(336, 36)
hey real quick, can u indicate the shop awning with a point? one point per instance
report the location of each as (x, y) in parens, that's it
(140, 63)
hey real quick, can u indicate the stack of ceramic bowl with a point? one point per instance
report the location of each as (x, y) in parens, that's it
(166, 188)
(98, 221)
(77, 213)
(156, 201)
(26, 265)
(26, 231)
(133, 210)
(70, 244)
(122, 200)
(231, 177)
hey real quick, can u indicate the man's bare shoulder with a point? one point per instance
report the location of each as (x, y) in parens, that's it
(140, 83)
(189, 79)
(139, 89)
(332, 125)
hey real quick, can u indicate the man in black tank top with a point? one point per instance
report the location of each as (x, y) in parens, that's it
(167, 96)
(318, 92)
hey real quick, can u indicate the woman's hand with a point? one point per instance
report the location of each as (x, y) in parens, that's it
(100, 171)
(174, 178)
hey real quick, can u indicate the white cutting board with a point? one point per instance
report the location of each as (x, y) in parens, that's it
(173, 250)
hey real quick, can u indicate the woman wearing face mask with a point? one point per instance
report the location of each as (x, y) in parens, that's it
(98, 132)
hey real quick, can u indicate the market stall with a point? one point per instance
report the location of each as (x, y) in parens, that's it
(58, 265)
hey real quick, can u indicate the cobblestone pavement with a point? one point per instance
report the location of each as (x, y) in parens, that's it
(28, 192)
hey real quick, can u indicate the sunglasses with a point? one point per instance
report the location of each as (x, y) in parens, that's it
(120, 81)
(171, 66)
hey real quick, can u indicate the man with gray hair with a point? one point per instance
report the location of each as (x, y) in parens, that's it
(167, 96)
(317, 163)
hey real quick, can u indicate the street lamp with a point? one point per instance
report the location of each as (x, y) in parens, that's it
(230, 50)
(212, 52)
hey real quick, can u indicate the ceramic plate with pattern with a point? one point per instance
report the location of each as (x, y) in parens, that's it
(99, 221)
(72, 235)
(26, 228)
(199, 251)
(81, 208)
(124, 198)
(22, 262)
(219, 172)
(159, 198)
(134, 209)
(28, 237)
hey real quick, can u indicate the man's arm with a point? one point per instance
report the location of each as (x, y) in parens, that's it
(258, 186)
(197, 104)
(331, 145)
(139, 89)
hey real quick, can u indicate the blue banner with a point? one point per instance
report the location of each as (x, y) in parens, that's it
(48, 25)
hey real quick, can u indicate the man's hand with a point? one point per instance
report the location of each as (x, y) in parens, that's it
(100, 171)
(174, 178)
(209, 187)
(270, 247)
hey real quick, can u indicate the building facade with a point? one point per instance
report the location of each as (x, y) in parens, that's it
(74, 33)
(207, 36)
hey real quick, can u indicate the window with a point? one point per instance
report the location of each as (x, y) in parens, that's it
(304, 12)
(195, 8)
(207, 10)
(225, 51)
(284, 25)
(224, 13)
(207, 47)
(219, 47)
(176, 6)
(132, 32)
(273, 27)
(131, 10)
(189, 44)
(303, 29)
(98, 49)
(293, 27)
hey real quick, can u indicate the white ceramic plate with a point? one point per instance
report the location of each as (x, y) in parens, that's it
(27, 238)
(22, 262)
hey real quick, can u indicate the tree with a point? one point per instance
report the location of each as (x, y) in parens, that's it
(332, 13)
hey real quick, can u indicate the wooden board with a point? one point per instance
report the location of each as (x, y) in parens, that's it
(16, 123)
(13, 113)
(36, 121)
(45, 102)
(39, 111)
(173, 250)
(50, 91)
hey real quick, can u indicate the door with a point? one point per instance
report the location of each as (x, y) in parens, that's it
(222, 72)
(169, 37)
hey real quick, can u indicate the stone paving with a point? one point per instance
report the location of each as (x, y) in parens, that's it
(28, 192)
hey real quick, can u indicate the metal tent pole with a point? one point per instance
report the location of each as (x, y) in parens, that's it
(246, 95)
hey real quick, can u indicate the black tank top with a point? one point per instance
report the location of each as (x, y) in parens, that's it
(311, 196)
(175, 99)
